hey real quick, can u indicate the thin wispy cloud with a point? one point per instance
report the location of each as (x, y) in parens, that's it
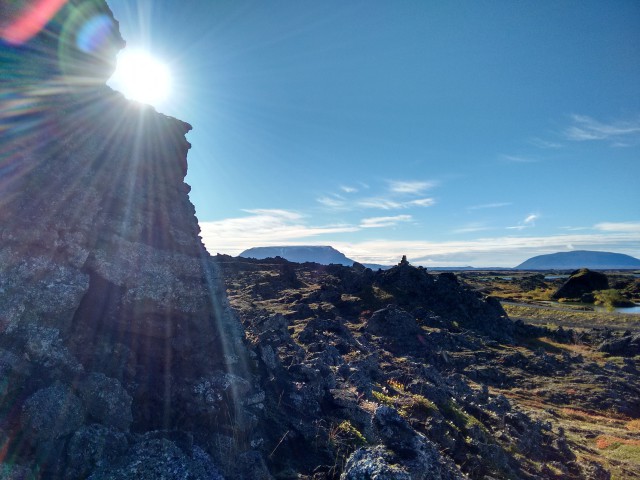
(333, 202)
(585, 128)
(545, 144)
(410, 187)
(528, 222)
(396, 195)
(471, 228)
(631, 227)
(378, 222)
(489, 205)
(421, 202)
(390, 204)
(518, 159)
(575, 229)
(379, 203)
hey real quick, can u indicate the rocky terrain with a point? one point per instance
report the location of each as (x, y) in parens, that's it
(471, 393)
(127, 352)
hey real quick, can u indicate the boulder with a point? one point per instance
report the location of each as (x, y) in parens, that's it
(155, 458)
(92, 447)
(373, 462)
(106, 401)
(581, 282)
(51, 413)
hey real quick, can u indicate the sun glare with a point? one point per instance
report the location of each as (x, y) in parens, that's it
(141, 77)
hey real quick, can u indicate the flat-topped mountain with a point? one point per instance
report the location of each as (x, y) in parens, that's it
(580, 259)
(324, 255)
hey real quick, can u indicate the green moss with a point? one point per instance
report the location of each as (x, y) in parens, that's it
(463, 420)
(347, 429)
(384, 399)
(625, 453)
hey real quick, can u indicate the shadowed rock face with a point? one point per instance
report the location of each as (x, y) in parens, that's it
(108, 303)
(582, 282)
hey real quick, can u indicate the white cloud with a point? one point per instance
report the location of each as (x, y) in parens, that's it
(421, 202)
(490, 205)
(471, 227)
(528, 222)
(518, 159)
(574, 229)
(410, 187)
(334, 202)
(631, 227)
(390, 204)
(378, 222)
(262, 227)
(506, 251)
(380, 203)
(399, 195)
(268, 213)
(585, 128)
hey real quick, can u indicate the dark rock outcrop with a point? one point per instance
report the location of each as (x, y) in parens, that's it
(625, 346)
(111, 315)
(581, 282)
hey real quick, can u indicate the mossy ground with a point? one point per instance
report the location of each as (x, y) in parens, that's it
(566, 395)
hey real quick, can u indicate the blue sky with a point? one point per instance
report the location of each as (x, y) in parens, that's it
(455, 132)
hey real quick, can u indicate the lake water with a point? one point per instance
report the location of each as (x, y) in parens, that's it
(597, 308)
(634, 310)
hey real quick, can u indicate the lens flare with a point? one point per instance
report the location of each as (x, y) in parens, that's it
(94, 33)
(30, 21)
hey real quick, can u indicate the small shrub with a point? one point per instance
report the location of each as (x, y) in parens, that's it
(396, 385)
(384, 399)
(352, 434)
(610, 299)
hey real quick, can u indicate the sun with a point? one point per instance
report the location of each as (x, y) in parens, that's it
(141, 77)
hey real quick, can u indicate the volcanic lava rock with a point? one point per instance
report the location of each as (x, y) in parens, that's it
(110, 312)
(93, 446)
(581, 282)
(51, 413)
(624, 346)
(155, 458)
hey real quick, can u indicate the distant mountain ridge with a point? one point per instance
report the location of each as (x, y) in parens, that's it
(323, 255)
(580, 259)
